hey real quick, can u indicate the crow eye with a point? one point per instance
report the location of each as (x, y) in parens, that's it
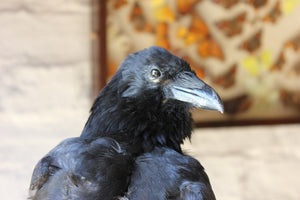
(155, 73)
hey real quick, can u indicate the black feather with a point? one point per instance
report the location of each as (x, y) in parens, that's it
(166, 174)
(132, 108)
(136, 125)
(82, 169)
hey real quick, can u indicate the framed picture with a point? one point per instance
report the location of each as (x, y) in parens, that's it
(249, 51)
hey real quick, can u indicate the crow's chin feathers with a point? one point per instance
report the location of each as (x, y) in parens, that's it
(146, 121)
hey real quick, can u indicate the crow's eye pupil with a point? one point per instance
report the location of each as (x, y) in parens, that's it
(155, 73)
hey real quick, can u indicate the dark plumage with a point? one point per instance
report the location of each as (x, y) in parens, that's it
(145, 110)
(145, 106)
(82, 169)
(167, 174)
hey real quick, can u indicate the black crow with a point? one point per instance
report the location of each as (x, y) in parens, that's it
(147, 103)
(145, 110)
(146, 107)
(82, 169)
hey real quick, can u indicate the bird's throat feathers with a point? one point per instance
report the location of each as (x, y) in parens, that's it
(146, 121)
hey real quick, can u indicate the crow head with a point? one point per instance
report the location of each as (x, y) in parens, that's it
(148, 100)
(156, 71)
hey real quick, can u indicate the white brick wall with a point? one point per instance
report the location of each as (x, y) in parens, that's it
(44, 98)
(45, 65)
(246, 163)
(44, 57)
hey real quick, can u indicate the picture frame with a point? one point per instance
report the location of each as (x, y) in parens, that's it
(101, 75)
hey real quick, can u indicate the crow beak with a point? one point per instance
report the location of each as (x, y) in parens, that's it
(187, 87)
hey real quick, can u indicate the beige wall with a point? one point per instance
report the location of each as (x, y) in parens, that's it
(44, 83)
(246, 163)
(44, 98)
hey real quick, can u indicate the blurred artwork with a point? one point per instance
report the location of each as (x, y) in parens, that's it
(227, 80)
(274, 14)
(294, 43)
(249, 50)
(232, 27)
(252, 43)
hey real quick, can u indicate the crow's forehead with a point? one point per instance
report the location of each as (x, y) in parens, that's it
(163, 59)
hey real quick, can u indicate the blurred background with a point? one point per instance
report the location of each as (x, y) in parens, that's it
(53, 61)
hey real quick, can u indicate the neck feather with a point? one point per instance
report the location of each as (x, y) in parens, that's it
(139, 123)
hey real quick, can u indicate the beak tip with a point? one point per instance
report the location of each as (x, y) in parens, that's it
(221, 110)
(220, 107)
